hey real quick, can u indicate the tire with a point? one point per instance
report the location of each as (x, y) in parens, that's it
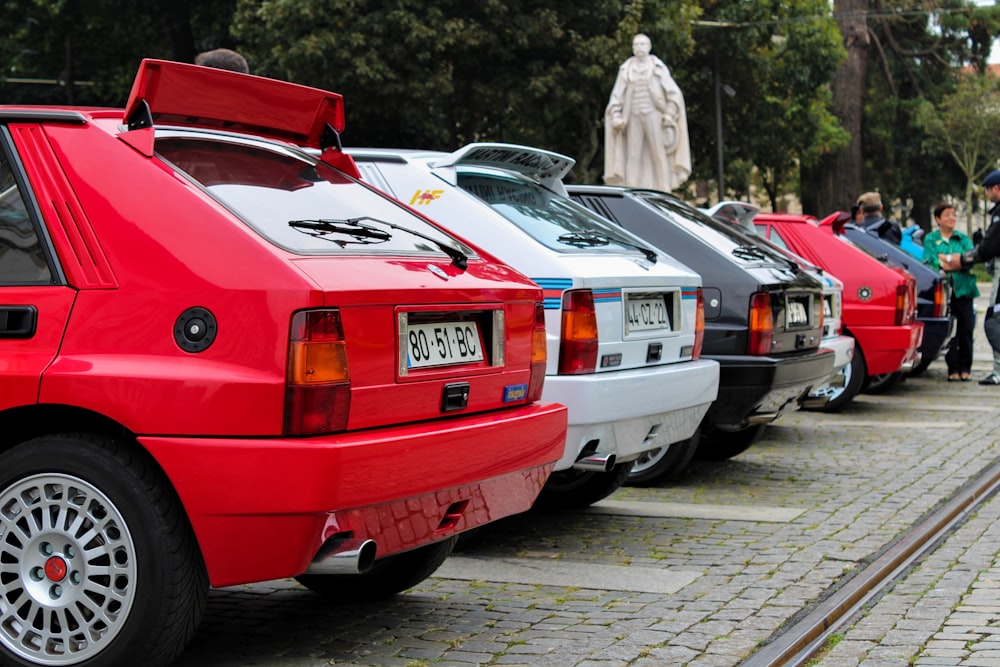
(91, 531)
(882, 384)
(388, 576)
(576, 489)
(854, 374)
(719, 445)
(663, 464)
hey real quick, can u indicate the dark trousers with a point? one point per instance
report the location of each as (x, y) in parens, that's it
(959, 355)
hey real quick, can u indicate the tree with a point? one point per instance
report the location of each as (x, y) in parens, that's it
(441, 73)
(966, 127)
(779, 114)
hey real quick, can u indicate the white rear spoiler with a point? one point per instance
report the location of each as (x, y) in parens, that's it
(546, 167)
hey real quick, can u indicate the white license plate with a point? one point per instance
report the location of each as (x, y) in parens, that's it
(646, 314)
(442, 344)
(797, 315)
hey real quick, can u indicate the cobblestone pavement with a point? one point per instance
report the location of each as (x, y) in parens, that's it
(697, 572)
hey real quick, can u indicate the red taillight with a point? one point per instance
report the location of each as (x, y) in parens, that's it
(699, 326)
(902, 304)
(578, 342)
(940, 303)
(761, 324)
(539, 356)
(318, 383)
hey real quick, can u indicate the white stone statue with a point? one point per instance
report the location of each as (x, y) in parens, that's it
(645, 125)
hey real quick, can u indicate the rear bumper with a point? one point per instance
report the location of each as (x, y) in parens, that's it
(936, 330)
(261, 508)
(619, 409)
(757, 389)
(888, 349)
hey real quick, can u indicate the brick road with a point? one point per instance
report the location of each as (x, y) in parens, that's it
(697, 572)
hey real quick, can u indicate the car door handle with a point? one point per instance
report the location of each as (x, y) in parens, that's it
(18, 321)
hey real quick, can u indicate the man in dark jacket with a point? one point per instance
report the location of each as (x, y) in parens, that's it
(986, 250)
(874, 222)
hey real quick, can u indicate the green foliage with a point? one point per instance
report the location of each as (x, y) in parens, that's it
(779, 114)
(441, 74)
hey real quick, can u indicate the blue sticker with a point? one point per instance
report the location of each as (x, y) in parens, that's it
(515, 392)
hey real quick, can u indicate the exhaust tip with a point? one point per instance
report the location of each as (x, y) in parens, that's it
(344, 556)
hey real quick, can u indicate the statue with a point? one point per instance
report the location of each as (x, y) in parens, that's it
(645, 125)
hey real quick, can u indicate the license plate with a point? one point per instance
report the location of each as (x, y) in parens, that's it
(797, 314)
(646, 314)
(442, 344)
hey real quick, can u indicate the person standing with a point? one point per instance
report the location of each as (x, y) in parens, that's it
(984, 251)
(223, 59)
(645, 125)
(947, 241)
(874, 222)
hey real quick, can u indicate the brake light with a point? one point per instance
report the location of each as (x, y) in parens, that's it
(940, 304)
(578, 340)
(699, 326)
(902, 303)
(318, 382)
(761, 331)
(539, 356)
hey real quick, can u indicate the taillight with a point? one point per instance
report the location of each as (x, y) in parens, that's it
(578, 341)
(761, 324)
(902, 303)
(940, 303)
(318, 383)
(539, 356)
(699, 326)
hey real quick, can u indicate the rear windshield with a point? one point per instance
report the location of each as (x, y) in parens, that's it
(553, 220)
(726, 237)
(298, 203)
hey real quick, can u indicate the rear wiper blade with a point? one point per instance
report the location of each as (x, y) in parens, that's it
(357, 228)
(749, 252)
(362, 233)
(583, 239)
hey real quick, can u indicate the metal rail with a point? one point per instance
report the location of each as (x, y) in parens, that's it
(799, 642)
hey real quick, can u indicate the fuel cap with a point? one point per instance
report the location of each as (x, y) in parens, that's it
(195, 329)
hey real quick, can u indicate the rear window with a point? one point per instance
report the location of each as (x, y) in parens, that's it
(553, 220)
(729, 238)
(298, 203)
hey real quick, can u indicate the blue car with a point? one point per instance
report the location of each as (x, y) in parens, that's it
(913, 241)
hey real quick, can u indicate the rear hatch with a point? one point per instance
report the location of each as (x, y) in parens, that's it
(406, 322)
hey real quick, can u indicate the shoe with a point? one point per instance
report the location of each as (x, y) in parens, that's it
(964, 377)
(992, 378)
(953, 377)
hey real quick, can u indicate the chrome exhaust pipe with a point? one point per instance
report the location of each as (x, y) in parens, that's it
(596, 462)
(814, 401)
(343, 556)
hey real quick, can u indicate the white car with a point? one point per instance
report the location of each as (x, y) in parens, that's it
(624, 322)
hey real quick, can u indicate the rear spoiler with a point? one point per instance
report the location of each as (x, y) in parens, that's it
(546, 167)
(836, 220)
(194, 96)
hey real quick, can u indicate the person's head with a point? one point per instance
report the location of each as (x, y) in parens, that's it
(856, 213)
(223, 59)
(945, 217)
(870, 203)
(992, 185)
(641, 45)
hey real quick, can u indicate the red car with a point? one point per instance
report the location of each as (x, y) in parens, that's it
(880, 301)
(226, 360)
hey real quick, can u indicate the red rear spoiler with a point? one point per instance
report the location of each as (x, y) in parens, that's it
(836, 220)
(190, 95)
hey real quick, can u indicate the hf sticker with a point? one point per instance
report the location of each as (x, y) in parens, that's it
(424, 197)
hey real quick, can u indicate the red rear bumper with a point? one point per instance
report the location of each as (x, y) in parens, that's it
(261, 508)
(887, 348)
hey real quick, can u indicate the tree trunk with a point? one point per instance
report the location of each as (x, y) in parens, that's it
(840, 172)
